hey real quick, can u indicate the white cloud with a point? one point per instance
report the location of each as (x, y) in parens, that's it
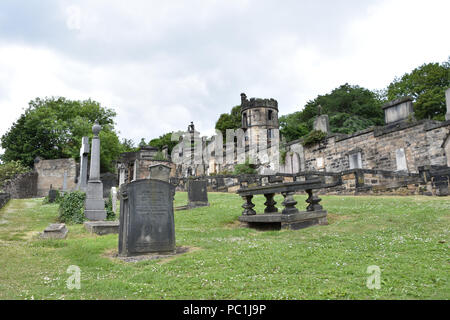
(161, 64)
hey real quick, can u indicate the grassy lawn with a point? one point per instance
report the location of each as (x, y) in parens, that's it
(407, 237)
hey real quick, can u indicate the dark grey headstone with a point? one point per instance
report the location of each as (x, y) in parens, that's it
(146, 217)
(197, 193)
(52, 195)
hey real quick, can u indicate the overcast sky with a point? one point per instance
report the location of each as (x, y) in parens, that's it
(161, 64)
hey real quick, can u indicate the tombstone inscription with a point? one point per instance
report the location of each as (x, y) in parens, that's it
(146, 218)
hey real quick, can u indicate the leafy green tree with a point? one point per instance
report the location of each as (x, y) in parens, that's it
(426, 85)
(349, 108)
(164, 140)
(10, 169)
(52, 128)
(230, 120)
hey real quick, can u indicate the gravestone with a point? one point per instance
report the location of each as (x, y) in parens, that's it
(146, 218)
(401, 160)
(52, 195)
(114, 199)
(95, 205)
(322, 123)
(84, 154)
(197, 193)
(55, 231)
(64, 188)
(159, 172)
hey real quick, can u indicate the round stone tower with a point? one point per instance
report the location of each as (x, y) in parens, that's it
(259, 118)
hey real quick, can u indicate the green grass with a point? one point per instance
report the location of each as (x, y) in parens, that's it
(407, 237)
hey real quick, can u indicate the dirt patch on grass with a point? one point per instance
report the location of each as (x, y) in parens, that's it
(112, 254)
(333, 218)
(233, 225)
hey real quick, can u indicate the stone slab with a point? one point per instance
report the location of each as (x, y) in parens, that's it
(55, 231)
(102, 227)
(277, 221)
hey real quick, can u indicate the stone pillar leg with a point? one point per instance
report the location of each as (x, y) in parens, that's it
(289, 203)
(270, 203)
(248, 206)
(313, 202)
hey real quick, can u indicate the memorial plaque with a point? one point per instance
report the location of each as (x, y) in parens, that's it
(197, 193)
(146, 217)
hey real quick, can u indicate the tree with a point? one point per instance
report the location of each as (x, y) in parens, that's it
(230, 120)
(164, 140)
(349, 108)
(426, 85)
(52, 128)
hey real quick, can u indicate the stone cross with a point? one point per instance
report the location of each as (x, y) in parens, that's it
(95, 205)
(84, 153)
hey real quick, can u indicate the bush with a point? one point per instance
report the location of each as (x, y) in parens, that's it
(110, 214)
(314, 137)
(245, 168)
(9, 170)
(71, 207)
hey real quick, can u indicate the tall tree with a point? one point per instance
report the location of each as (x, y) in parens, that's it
(230, 120)
(52, 128)
(349, 108)
(426, 85)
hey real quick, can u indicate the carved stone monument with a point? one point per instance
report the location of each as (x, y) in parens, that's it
(322, 123)
(95, 205)
(84, 153)
(146, 218)
(159, 172)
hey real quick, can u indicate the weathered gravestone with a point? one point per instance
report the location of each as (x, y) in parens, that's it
(52, 194)
(84, 155)
(146, 218)
(114, 199)
(197, 193)
(159, 172)
(55, 231)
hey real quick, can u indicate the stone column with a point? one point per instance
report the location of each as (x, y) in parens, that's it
(114, 199)
(95, 205)
(447, 99)
(84, 153)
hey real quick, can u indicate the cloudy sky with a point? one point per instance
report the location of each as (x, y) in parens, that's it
(161, 64)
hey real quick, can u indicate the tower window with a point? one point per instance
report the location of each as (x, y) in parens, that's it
(270, 115)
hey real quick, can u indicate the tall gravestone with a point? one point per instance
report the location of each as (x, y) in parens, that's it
(114, 199)
(84, 154)
(146, 218)
(197, 193)
(95, 205)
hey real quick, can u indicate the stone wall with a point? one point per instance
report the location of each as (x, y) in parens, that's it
(54, 172)
(22, 186)
(4, 198)
(349, 182)
(421, 142)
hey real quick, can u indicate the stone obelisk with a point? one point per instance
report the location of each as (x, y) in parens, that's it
(84, 154)
(95, 205)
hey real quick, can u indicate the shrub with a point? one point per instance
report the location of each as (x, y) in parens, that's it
(71, 207)
(314, 137)
(9, 170)
(245, 168)
(110, 214)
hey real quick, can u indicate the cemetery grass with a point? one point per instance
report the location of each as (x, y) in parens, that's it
(407, 237)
